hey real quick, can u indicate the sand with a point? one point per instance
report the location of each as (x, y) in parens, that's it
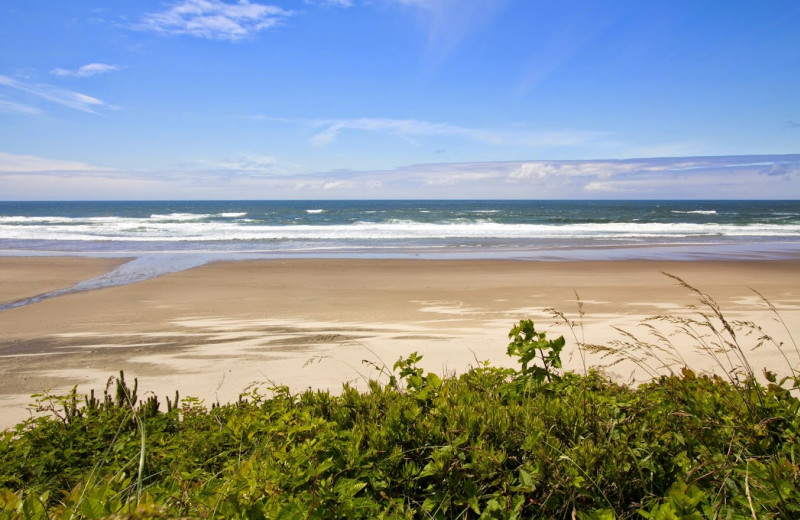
(24, 277)
(216, 330)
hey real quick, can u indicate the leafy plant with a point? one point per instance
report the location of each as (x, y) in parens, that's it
(526, 343)
(420, 385)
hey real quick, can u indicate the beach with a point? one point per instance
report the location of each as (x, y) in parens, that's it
(214, 331)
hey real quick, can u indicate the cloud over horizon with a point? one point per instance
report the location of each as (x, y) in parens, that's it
(261, 177)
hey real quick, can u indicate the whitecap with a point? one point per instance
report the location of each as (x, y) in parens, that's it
(179, 216)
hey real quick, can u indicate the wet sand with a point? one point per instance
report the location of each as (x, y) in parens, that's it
(25, 277)
(214, 330)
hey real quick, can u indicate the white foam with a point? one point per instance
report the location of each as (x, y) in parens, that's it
(56, 220)
(698, 212)
(142, 230)
(179, 216)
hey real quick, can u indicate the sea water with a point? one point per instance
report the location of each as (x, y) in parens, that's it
(365, 227)
(167, 236)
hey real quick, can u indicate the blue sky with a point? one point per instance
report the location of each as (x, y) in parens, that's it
(186, 99)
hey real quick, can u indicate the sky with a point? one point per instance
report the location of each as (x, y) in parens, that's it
(349, 99)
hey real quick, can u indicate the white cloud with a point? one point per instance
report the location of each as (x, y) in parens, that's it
(333, 3)
(531, 171)
(603, 187)
(59, 96)
(411, 128)
(11, 163)
(599, 169)
(90, 69)
(426, 4)
(215, 19)
(338, 185)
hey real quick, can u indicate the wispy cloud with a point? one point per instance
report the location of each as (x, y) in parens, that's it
(447, 23)
(413, 128)
(242, 163)
(11, 163)
(90, 69)
(402, 127)
(215, 19)
(18, 108)
(59, 96)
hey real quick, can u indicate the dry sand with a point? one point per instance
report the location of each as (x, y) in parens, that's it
(213, 330)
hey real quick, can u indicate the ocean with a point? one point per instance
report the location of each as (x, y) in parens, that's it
(168, 236)
(537, 229)
(482, 228)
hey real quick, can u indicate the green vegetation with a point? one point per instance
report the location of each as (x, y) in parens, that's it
(536, 442)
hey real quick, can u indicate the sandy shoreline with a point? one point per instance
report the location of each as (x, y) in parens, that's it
(213, 330)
